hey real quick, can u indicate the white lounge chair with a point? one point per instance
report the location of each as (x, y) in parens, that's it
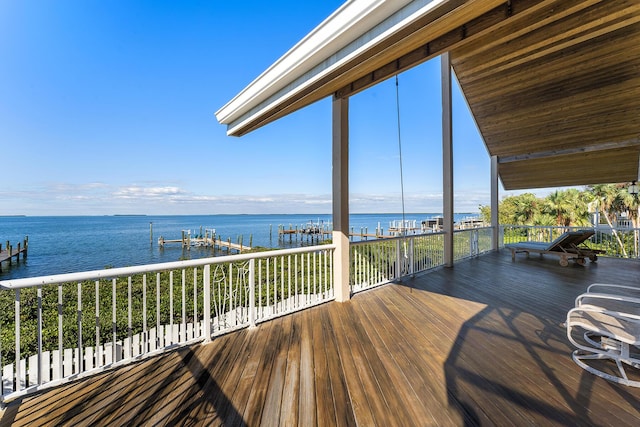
(610, 326)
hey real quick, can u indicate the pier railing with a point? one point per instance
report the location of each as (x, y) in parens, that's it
(616, 242)
(66, 326)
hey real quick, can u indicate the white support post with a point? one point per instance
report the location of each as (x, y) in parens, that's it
(447, 159)
(340, 178)
(495, 224)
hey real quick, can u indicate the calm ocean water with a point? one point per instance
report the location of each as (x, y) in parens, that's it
(68, 244)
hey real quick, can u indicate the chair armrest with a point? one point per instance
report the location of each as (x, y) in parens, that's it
(610, 288)
(615, 303)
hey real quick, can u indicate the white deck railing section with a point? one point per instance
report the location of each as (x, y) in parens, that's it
(70, 325)
(471, 242)
(375, 262)
(616, 242)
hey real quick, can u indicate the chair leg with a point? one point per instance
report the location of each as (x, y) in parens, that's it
(579, 356)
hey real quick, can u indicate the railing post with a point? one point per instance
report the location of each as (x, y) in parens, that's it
(206, 293)
(411, 246)
(79, 321)
(252, 292)
(18, 370)
(471, 242)
(39, 332)
(476, 246)
(398, 272)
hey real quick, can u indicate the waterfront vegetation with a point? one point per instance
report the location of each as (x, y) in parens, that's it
(572, 207)
(148, 300)
(611, 207)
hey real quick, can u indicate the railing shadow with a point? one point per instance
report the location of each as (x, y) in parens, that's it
(159, 391)
(523, 319)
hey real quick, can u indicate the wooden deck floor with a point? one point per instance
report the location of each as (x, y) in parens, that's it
(479, 344)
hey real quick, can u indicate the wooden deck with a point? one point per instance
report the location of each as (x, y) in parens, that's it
(479, 344)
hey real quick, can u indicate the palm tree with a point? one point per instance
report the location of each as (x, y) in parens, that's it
(632, 209)
(525, 207)
(610, 202)
(579, 214)
(558, 204)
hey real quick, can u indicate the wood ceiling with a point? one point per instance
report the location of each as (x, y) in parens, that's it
(556, 93)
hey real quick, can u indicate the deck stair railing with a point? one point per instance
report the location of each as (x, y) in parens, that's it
(71, 325)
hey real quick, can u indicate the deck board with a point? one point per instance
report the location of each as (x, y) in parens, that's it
(291, 391)
(479, 344)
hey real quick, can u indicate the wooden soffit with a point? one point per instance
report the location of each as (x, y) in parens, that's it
(558, 90)
(574, 168)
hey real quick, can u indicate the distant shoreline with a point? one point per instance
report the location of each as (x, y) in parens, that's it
(226, 214)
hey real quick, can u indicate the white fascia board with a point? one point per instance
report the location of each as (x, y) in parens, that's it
(342, 27)
(369, 31)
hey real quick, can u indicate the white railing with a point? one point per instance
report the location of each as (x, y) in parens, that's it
(375, 262)
(71, 325)
(471, 242)
(616, 242)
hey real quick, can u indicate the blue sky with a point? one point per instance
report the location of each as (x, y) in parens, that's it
(107, 107)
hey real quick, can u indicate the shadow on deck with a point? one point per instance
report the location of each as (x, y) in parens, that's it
(478, 344)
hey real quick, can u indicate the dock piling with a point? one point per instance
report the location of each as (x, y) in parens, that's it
(9, 252)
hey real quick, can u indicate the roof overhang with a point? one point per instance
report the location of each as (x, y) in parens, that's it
(552, 84)
(359, 37)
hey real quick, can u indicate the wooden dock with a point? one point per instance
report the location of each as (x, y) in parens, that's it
(207, 239)
(9, 252)
(320, 232)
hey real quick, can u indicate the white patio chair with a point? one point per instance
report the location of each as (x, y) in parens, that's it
(611, 288)
(610, 326)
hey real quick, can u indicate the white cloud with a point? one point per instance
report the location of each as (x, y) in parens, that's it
(171, 199)
(139, 192)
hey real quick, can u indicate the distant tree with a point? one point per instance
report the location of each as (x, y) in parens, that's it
(485, 213)
(567, 207)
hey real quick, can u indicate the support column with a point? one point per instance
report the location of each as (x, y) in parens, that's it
(447, 159)
(340, 194)
(495, 223)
